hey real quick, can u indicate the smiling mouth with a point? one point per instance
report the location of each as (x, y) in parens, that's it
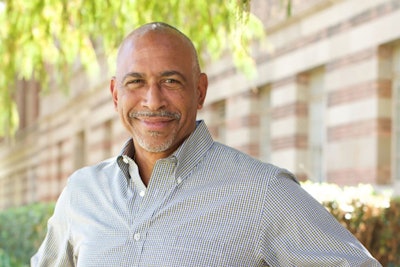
(155, 121)
(151, 116)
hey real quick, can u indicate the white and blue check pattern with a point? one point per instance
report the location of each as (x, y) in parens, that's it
(206, 205)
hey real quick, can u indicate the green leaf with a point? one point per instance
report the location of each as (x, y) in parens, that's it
(43, 40)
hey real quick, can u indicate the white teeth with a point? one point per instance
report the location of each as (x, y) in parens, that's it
(160, 114)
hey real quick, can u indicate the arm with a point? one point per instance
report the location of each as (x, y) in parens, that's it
(56, 249)
(299, 231)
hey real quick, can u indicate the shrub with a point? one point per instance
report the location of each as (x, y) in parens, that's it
(374, 218)
(22, 230)
(5, 260)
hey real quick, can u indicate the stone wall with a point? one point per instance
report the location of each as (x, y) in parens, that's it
(325, 105)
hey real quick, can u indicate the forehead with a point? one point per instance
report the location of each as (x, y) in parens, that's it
(152, 48)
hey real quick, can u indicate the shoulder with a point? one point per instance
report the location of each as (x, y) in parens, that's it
(231, 160)
(93, 173)
(224, 154)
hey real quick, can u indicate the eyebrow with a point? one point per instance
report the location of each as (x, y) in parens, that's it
(167, 73)
(132, 74)
(172, 73)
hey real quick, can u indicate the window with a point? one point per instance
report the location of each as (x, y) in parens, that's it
(265, 124)
(316, 125)
(219, 121)
(108, 138)
(396, 115)
(80, 151)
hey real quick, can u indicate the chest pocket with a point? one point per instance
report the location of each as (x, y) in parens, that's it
(182, 251)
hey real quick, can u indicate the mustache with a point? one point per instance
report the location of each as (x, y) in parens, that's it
(149, 114)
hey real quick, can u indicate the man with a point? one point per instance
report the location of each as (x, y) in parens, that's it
(174, 197)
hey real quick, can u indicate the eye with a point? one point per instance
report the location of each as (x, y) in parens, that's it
(134, 83)
(171, 84)
(171, 81)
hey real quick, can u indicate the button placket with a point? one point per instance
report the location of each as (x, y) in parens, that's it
(136, 236)
(150, 199)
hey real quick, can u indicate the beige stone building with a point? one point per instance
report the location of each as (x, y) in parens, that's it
(325, 105)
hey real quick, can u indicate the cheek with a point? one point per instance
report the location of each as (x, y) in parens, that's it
(123, 107)
(126, 102)
(191, 111)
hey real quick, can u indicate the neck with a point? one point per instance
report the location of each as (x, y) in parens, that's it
(146, 161)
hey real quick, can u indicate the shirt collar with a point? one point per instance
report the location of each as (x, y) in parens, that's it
(192, 150)
(128, 150)
(188, 154)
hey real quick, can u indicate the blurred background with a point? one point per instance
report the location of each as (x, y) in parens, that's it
(309, 85)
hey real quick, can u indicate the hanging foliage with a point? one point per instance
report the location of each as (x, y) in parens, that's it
(41, 39)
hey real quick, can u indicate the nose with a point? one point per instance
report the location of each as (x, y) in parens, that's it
(154, 98)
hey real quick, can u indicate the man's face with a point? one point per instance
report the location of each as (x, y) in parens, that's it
(157, 91)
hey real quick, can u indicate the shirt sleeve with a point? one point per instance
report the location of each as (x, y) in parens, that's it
(56, 249)
(298, 231)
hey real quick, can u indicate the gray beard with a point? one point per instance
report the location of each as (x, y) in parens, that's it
(148, 146)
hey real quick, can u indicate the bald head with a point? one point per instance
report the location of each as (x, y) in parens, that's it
(157, 30)
(158, 88)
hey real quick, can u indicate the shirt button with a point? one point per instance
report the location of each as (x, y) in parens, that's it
(136, 236)
(179, 180)
(125, 160)
(142, 193)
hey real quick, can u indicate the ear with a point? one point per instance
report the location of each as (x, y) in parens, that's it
(114, 91)
(202, 89)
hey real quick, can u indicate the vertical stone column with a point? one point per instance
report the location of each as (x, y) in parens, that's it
(289, 124)
(214, 115)
(243, 122)
(359, 117)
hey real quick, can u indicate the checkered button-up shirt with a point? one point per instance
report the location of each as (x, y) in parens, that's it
(206, 205)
